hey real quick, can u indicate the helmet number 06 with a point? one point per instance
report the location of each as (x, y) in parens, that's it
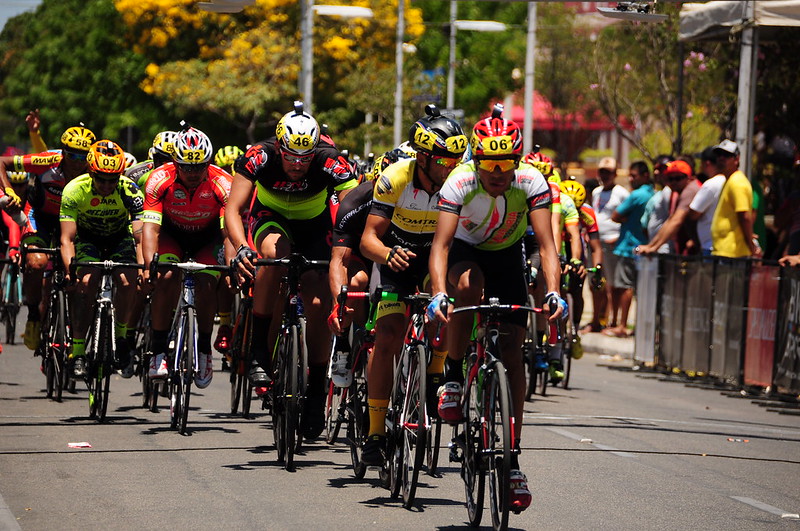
(499, 145)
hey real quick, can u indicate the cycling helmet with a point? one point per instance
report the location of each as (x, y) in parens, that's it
(192, 146)
(227, 155)
(541, 162)
(164, 144)
(406, 148)
(17, 177)
(130, 160)
(437, 135)
(555, 177)
(388, 158)
(106, 157)
(496, 137)
(575, 190)
(78, 137)
(297, 131)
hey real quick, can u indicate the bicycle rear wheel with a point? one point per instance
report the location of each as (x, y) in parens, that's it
(236, 352)
(106, 356)
(433, 445)
(334, 411)
(357, 423)
(294, 390)
(529, 352)
(188, 368)
(569, 341)
(56, 344)
(414, 420)
(497, 412)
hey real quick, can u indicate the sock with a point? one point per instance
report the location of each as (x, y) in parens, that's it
(120, 329)
(78, 348)
(436, 366)
(224, 318)
(377, 416)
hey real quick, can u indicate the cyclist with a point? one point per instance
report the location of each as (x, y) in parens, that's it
(348, 265)
(100, 214)
(293, 175)
(589, 232)
(225, 158)
(52, 170)
(159, 154)
(183, 206)
(130, 160)
(477, 251)
(397, 237)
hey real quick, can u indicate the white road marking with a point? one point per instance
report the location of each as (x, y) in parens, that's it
(766, 507)
(580, 438)
(8, 521)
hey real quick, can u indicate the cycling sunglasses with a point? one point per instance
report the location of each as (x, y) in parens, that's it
(297, 159)
(106, 178)
(73, 155)
(192, 168)
(447, 162)
(491, 165)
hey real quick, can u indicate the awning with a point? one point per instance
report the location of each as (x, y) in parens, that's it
(714, 19)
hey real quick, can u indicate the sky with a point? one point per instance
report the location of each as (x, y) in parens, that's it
(9, 8)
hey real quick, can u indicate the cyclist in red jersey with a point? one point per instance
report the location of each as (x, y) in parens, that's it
(184, 203)
(52, 170)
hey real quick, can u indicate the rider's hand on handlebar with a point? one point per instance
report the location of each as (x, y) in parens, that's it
(399, 258)
(334, 324)
(558, 306)
(437, 308)
(577, 267)
(244, 257)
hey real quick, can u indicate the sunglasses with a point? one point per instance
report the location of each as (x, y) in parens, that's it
(447, 162)
(192, 168)
(295, 159)
(676, 179)
(491, 165)
(71, 155)
(105, 178)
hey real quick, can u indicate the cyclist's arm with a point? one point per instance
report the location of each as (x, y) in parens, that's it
(150, 233)
(555, 223)
(337, 274)
(33, 122)
(597, 249)
(440, 249)
(576, 244)
(13, 236)
(5, 164)
(69, 229)
(667, 231)
(371, 245)
(241, 192)
(542, 229)
(136, 229)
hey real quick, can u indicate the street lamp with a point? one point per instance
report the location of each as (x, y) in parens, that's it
(306, 47)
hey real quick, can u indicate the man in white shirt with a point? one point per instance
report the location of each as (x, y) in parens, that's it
(605, 200)
(705, 202)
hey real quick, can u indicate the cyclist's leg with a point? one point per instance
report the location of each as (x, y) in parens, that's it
(206, 304)
(225, 297)
(83, 299)
(32, 286)
(163, 302)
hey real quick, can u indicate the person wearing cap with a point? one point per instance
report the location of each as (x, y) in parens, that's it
(732, 226)
(605, 200)
(657, 210)
(678, 227)
(704, 204)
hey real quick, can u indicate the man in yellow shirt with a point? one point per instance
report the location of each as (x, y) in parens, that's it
(732, 225)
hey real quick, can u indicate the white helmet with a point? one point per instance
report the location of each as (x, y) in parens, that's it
(193, 147)
(130, 160)
(297, 131)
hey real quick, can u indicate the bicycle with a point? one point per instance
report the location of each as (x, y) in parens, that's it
(152, 388)
(183, 338)
(569, 337)
(240, 358)
(408, 423)
(537, 374)
(484, 446)
(11, 302)
(291, 359)
(55, 343)
(349, 404)
(100, 344)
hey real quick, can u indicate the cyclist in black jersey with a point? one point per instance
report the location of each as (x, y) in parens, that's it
(293, 176)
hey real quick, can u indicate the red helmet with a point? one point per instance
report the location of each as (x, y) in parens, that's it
(496, 137)
(541, 162)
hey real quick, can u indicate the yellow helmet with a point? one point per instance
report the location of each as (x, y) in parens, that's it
(575, 190)
(78, 137)
(227, 155)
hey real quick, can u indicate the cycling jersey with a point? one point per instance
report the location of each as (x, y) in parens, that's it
(493, 223)
(44, 194)
(138, 173)
(588, 220)
(400, 198)
(100, 216)
(569, 213)
(352, 217)
(169, 203)
(302, 199)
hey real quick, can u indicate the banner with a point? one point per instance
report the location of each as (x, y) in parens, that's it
(787, 375)
(762, 310)
(647, 288)
(697, 320)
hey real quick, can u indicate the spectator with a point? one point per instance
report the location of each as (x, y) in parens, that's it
(657, 210)
(790, 260)
(732, 226)
(705, 202)
(631, 235)
(678, 227)
(605, 200)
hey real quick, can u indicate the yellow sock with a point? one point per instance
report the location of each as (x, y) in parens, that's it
(224, 318)
(377, 415)
(436, 366)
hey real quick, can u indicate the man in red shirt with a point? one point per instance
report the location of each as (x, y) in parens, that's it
(183, 208)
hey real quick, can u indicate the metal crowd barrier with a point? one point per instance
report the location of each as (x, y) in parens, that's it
(734, 320)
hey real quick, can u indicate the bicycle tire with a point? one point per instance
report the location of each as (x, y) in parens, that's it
(278, 399)
(188, 361)
(92, 365)
(414, 419)
(176, 378)
(333, 411)
(433, 446)
(529, 352)
(497, 411)
(357, 424)
(236, 362)
(105, 362)
(293, 398)
(394, 430)
(247, 387)
(569, 341)
(473, 473)
(57, 341)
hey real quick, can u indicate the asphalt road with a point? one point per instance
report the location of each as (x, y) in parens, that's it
(617, 451)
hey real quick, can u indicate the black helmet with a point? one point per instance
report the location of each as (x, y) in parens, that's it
(437, 135)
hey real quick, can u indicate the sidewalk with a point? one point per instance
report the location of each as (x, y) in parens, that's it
(598, 343)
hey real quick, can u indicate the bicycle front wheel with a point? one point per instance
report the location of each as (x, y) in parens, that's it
(357, 423)
(473, 471)
(414, 420)
(570, 335)
(188, 368)
(104, 361)
(497, 415)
